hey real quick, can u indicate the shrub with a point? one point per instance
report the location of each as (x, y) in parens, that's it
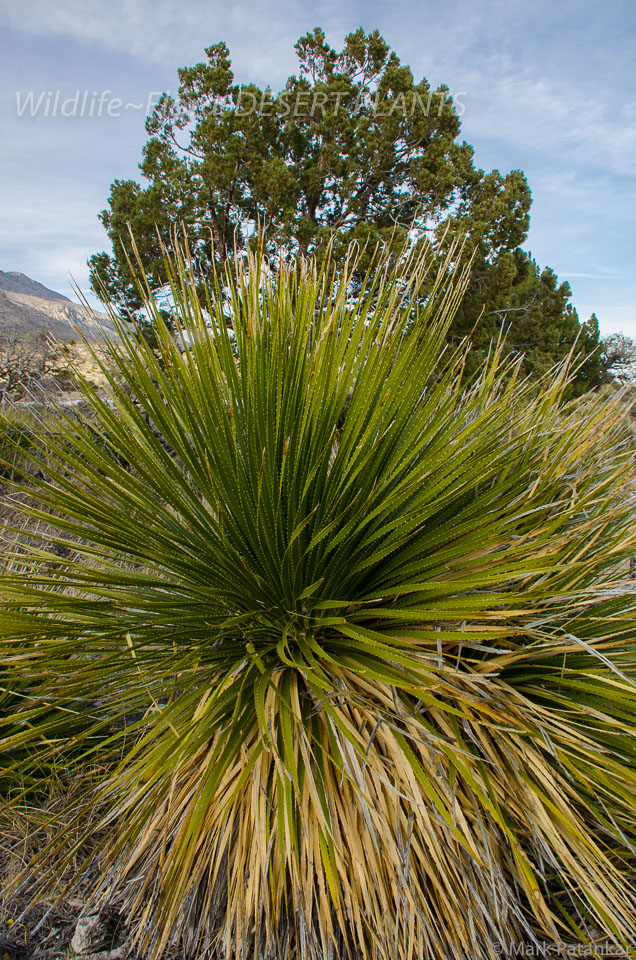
(363, 632)
(16, 432)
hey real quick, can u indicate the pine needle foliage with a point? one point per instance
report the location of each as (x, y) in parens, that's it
(351, 638)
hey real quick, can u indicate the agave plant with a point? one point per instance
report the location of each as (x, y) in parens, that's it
(352, 637)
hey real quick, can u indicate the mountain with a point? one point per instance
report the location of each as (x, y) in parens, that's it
(27, 306)
(14, 282)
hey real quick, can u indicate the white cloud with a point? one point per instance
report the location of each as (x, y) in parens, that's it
(566, 274)
(549, 116)
(160, 30)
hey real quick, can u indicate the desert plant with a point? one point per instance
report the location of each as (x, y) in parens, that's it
(361, 634)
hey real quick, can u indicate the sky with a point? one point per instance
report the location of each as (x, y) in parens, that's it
(548, 87)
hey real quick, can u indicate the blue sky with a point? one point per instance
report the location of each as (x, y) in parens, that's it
(547, 87)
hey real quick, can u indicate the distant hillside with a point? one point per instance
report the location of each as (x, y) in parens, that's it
(14, 282)
(27, 306)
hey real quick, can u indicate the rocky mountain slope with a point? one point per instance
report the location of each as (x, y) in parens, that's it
(15, 282)
(28, 307)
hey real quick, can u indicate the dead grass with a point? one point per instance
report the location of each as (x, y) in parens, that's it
(34, 925)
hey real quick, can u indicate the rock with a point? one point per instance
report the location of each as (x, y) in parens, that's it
(88, 930)
(92, 933)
